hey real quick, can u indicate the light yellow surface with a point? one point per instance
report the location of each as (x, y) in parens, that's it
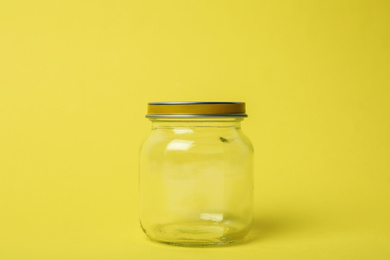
(75, 79)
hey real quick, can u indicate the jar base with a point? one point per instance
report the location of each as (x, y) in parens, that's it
(193, 244)
(197, 234)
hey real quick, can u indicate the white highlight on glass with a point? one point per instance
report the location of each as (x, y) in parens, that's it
(179, 144)
(212, 216)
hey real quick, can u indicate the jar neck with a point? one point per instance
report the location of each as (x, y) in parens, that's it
(230, 122)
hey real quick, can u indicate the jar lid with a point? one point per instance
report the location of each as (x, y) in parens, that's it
(196, 109)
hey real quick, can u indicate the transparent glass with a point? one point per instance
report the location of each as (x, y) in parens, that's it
(196, 181)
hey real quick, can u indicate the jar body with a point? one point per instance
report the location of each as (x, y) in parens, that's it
(196, 182)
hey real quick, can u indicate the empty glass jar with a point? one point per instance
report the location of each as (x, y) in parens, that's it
(196, 174)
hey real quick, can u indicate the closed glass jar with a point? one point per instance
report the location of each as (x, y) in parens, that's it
(196, 174)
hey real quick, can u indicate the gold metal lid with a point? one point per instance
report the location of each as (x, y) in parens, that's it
(196, 109)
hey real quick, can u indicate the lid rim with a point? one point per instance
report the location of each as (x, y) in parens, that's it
(194, 115)
(193, 103)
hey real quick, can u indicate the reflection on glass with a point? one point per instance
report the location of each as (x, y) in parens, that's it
(179, 144)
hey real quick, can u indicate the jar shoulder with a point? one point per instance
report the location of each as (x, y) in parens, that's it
(195, 142)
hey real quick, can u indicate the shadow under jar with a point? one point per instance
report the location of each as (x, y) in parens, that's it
(196, 174)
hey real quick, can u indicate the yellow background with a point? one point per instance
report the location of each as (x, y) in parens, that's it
(75, 78)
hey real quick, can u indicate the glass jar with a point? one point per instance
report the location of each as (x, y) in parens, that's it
(196, 174)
